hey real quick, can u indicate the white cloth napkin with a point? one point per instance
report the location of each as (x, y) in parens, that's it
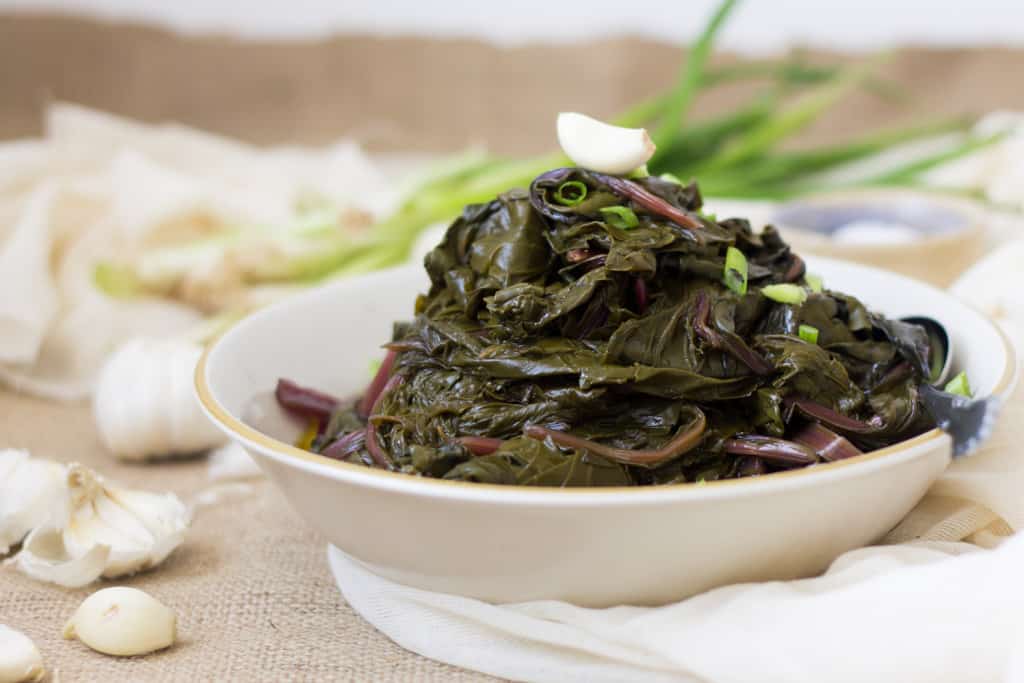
(96, 186)
(942, 599)
(925, 611)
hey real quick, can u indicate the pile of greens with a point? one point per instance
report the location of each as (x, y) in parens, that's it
(597, 330)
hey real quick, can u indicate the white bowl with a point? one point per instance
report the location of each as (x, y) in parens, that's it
(596, 547)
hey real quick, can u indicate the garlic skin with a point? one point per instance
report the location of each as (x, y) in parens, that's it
(44, 558)
(123, 622)
(602, 147)
(20, 661)
(27, 489)
(103, 530)
(145, 405)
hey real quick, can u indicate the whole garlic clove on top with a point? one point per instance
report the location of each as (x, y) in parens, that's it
(20, 661)
(602, 147)
(103, 530)
(145, 404)
(124, 622)
(27, 489)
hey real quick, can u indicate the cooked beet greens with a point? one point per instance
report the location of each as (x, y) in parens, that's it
(599, 331)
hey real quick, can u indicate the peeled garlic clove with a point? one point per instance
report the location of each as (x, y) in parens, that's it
(27, 489)
(20, 661)
(124, 622)
(602, 147)
(144, 404)
(105, 530)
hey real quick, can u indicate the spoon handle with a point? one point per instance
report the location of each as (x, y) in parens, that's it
(968, 421)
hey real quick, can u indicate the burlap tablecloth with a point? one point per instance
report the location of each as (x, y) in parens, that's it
(418, 94)
(250, 585)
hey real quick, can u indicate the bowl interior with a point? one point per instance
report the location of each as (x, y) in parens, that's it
(329, 337)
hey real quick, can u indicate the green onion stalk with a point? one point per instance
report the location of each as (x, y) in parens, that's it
(734, 274)
(785, 293)
(736, 154)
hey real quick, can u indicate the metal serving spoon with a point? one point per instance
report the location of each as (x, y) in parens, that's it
(941, 347)
(968, 421)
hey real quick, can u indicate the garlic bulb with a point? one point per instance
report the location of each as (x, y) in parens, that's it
(603, 147)
(145, 405)
(124, 622)
(20, 661)
(102, 530)
(27, 487)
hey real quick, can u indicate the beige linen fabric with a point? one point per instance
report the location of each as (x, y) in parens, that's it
(418, 94)
(97, 187)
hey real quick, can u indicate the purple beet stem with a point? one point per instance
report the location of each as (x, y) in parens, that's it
(304, 402)
(373, 391)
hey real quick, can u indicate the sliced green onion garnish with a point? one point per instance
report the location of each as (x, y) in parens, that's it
(713, 217)
(374, 365)
(734, 275)
(959, 385)
(809, 333)
(785, 294)
(621, 217)
(571, 193)
(639, 172)
(672, 178)
(814, 282)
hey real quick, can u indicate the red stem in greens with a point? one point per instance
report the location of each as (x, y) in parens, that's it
(480, 445)
(648, 200)
(898, 373)
(685, 440)
(727, 342)
(797, 269)
(640, 294)
(831, 418)
(776, 451)
(380, 458)
(373, 391)
(341, 448)
(826, 443)
(304, 402)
